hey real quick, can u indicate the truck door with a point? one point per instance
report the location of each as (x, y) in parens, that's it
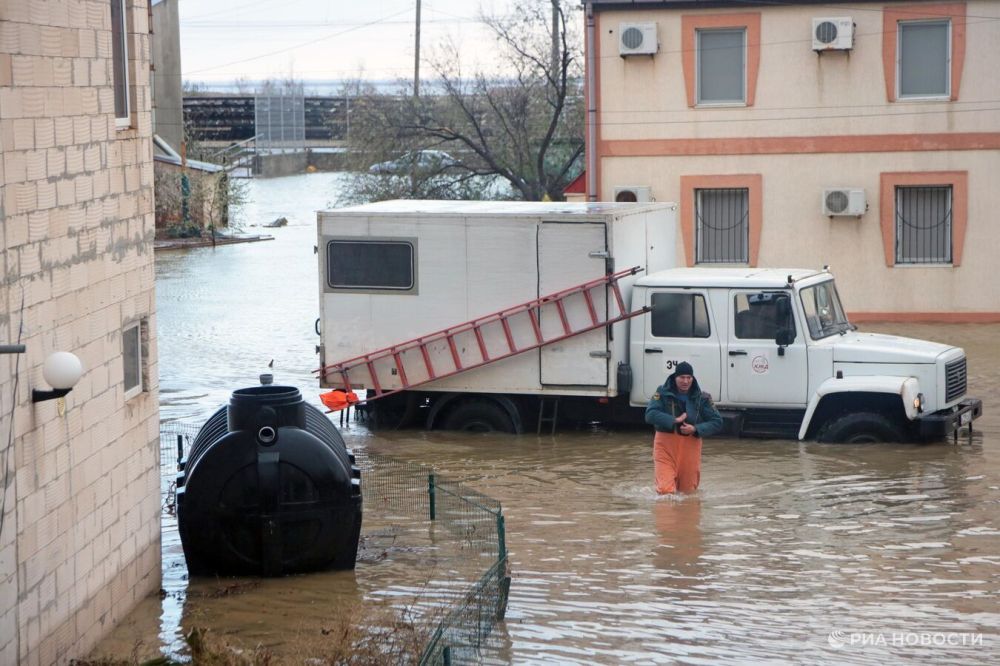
(570, 254)
(759, 371)
(678, 328)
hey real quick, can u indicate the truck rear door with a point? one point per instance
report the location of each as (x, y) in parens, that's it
(570, 254)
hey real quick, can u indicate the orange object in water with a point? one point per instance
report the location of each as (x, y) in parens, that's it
(676, 463)
(337, 400)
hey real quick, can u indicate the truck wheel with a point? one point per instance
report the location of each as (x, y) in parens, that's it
(860, 428)
(478, 416)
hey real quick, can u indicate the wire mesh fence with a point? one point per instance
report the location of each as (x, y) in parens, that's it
(411, 501)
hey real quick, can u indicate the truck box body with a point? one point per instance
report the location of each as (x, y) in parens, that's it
(394, 271)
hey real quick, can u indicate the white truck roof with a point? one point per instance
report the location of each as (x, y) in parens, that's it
(440, 208)
(736, 278)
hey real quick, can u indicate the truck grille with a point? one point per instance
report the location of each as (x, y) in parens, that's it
(954, 380)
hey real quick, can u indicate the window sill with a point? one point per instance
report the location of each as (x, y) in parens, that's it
(924, 98)
(122, 124)
(924, 265)
(721, 105)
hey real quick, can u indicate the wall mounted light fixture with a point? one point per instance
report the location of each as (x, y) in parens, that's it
(61, 370)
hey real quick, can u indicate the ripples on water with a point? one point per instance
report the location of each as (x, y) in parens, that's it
(785, 544)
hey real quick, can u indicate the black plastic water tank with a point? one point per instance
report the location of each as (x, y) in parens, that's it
(268, 488)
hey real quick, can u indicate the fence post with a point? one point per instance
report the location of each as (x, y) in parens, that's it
(430, 492)
(501, 537)
(446, 655)
(180, 450)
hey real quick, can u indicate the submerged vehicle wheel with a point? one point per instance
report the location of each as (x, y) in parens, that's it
(861, 428)
(479, 416)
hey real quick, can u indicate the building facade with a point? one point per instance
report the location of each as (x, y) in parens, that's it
(864, 136)
(79, 521)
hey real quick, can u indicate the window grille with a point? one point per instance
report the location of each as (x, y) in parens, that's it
(722, 218)
(923, 225)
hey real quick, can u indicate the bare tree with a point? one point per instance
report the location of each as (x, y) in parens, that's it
(522, 122)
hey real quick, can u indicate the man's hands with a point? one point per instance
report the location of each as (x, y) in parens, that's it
(683, 427)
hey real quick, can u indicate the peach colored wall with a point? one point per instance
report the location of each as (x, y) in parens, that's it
(80, 534)
(817, 121)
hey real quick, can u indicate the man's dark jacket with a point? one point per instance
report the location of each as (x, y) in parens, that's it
(667, 404)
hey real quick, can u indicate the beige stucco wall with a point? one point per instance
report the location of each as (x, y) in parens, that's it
(80, 534)
(802, 94)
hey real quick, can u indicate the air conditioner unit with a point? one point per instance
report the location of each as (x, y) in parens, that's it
(637, 39)
(640, 193)
(833, 33)
(844, 201)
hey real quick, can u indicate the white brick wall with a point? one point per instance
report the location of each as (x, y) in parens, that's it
(80, 539)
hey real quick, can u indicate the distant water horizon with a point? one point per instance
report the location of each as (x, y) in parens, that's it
(313, 87)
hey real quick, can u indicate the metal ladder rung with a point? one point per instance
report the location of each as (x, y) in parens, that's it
(552, 418)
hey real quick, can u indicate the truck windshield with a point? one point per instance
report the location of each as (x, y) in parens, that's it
(824, 314)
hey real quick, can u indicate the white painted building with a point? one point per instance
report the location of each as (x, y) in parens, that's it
(865, 136)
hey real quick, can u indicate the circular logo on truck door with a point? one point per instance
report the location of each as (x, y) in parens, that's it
(759, 364)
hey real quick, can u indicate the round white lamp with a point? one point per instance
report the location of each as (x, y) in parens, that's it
(61, 370)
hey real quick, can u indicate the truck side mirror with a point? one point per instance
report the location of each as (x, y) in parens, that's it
(784, 337)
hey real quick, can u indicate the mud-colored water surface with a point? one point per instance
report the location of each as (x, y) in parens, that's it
(790, 551)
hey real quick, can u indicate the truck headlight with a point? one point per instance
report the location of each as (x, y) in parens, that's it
(918, 403)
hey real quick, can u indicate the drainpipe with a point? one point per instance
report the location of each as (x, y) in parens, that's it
(591, 147)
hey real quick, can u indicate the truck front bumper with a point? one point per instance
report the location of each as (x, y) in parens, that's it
(943, 423)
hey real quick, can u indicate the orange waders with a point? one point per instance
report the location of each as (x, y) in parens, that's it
(676, 462)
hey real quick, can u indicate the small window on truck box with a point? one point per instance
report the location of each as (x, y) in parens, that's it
(679, 316)
(371, 265)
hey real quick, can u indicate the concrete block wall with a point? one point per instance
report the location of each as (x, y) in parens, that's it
(79, 544)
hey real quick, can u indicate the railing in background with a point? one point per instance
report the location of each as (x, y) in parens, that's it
(396, 490)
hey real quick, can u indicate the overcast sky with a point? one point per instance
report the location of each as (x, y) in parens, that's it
(223, 40)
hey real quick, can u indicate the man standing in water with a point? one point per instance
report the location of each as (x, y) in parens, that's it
(682, 415)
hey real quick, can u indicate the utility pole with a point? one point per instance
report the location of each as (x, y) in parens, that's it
(416, 56)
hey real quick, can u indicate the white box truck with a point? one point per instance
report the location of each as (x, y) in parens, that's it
(512, 316)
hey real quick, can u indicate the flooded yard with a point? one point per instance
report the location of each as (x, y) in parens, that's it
(804, 552)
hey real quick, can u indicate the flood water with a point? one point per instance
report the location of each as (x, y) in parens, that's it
(790, 551)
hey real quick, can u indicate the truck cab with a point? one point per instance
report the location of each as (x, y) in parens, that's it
(776, 351)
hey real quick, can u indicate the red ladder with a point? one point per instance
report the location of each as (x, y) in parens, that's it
(392, 360)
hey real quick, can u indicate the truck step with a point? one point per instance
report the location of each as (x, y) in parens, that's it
(764, 423)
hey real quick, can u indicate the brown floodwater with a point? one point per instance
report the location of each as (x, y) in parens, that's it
(790, 551)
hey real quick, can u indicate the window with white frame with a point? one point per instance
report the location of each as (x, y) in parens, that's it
(679, 316)
(722, 226)
(132, 359)
(119, 57)
(721, 66)
(923, 59)
(923, 224)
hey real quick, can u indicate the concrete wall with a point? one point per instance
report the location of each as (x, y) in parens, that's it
(168, 98)
(79, 544)
(814, 121)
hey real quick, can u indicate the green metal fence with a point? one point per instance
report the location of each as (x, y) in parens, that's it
(397, 492)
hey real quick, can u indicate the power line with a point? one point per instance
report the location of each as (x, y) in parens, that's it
(272, 25)
(230, 10)
(300, 45)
